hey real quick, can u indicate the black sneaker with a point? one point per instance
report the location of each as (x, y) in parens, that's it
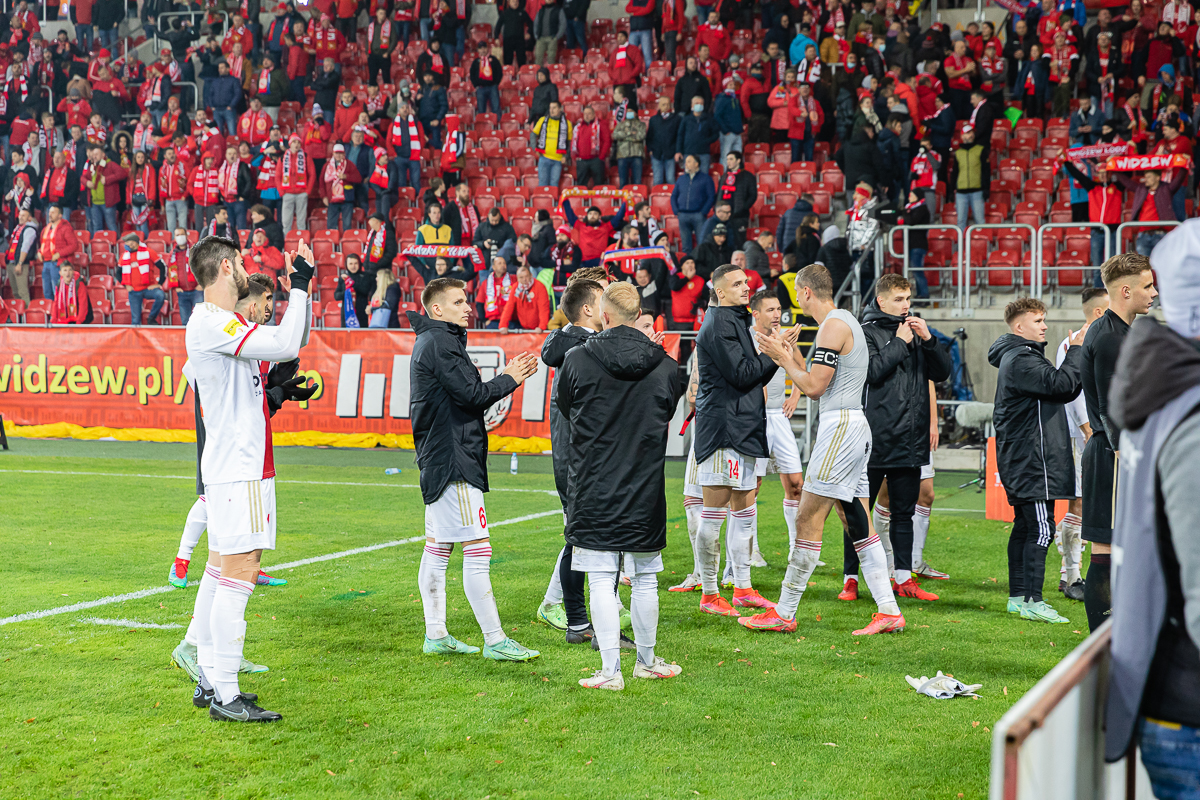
(203, 698)
(626, 643)
(581, 636)
(1072, 592)
(241, 709)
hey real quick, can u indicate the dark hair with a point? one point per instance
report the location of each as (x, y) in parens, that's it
(757, 299)
(723, 270)
(1023, 305)
(578, 294)
(263, 281)
(891, 282)
(206, 256)
(262, 211)
(817, 278)
(256, 289)
(1091, 293)
(896, 119)
(437, 287)
(737, 153)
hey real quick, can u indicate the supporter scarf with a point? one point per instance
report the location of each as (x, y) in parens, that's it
(325, 39)
(621, 54)
(809, 72)
(375, 245)
(139, 214)
(66, 300)
(630, 256)
(1139, 163)
(142, 258)
(235, 65)
(563, 145)
(470, 219)
(436, 64)
(335, 176)
(179, 271)
(264, 81)
(266, 175)
(385, 33)
(460, 8)
(414, 138)
(620, 114)
(485, 68)
(55, 181)
(293, 161)
(70, 151)
(837, 16)
(156, 89)
(1061, 61)
(227, 179)
(22, 85)
(493, 293)
(780, 66)
(171, 179)
(375, 104)
(169, 123)
(728, 185)
(142, 136)
(379, 177)
(445, 251)
(911, 206)
(626, 195)
(348, 305)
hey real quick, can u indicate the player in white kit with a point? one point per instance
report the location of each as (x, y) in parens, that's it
(838, 467)
(238, 464)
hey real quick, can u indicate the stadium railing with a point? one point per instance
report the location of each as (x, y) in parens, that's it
(903, 257)
(1042, 271)
(1050, 744)
(1003, 271)
(852, 287)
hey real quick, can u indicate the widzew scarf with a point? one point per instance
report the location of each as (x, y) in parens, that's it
(297, 162)
(379, 177)
(494, 293)
(55, 181)
(335, 176)
(470, 220)
(385, 33)
(66, 300)
(375, 243)
(227, 179)
(349, 317)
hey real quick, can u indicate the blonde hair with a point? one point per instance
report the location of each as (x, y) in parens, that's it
(383, 279)
(622, 302)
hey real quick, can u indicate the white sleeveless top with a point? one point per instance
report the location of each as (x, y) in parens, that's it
(846, 389)
(777, 386)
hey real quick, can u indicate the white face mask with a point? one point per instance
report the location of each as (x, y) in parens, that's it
(699, 109)
(181, 240)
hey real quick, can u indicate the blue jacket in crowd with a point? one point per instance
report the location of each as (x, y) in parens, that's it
(433, 103)
(222, 92)
(696, 134)
(727, 111)
(693, 195)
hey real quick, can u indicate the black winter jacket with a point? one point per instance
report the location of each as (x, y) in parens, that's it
(730, 406)
(447, 405)
(897, 394)
(619, 391)
(554, 350)
(1033, 445)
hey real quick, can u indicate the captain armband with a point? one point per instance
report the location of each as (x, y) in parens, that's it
(825, 357)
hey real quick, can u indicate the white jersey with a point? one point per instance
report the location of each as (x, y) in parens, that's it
(225, 351)
(845, 391)
(1076, 409)
(777, 386)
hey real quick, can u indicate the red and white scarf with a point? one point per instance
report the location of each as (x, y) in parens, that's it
(140, 258)
(55, 180)
(496, 294)
(71, 152)
(171, 180)
(293, 161)
(335, 176)
(375, 104)
(375, 245)
(385, 33)
(139, 214)
(156, 89)
(235, 65)
(143, 136)
(264, 81)
(227, 180)
(379, 177)
(470, 220)
(66, 300)
(414, 138)
(14, 241)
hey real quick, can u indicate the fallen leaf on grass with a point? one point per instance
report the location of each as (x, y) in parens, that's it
(773, 764)
(833, 647)
(858, 676)
(706, 716)
(975, 724)
(31, 719)
(737, 649)
(1052, 644)
(480, 694)
(547, 680)
(719, 664)
(1006, 691)
(922, 626)
(331, 772)
(499, 760)
(818, 617)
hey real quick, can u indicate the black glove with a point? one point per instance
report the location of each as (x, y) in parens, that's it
(302, 275)
(282, 373)
(295, 390)
(275, 398)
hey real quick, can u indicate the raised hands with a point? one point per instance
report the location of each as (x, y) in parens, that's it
(522, 367)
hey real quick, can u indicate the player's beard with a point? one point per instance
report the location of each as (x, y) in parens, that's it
(242, 282)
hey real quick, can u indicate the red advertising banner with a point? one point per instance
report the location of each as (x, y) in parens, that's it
(125, 377)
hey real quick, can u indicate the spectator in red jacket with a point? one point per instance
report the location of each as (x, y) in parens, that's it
(72, 305)
(592, 232)
(345, 116)
(263, 256)
(76, 108)
(715, 36)
(58, 243)
(590, 149)
(529, 303)
(626, 65)
(494, 293)
(143, 273)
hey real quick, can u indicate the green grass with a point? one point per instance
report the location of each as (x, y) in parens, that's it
(95, 711)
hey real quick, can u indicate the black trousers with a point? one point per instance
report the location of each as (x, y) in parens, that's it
(572, 588)
(377, 64)
(904, 487)
(1032, 532)
(589, 172)
(1099, 489)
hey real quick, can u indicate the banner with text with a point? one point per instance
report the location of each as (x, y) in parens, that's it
(130, 378)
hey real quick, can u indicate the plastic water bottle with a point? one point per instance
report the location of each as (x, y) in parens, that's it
(512, 464)
(391, 471)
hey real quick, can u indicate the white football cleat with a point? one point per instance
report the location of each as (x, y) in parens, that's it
(659, 669)
(756, 560)
(616, 683)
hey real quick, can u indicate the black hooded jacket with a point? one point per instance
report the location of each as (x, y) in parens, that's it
(731, 410)
(619, 391)
(447, 405)
(554, 350)
(897, 395)
(1033, 445)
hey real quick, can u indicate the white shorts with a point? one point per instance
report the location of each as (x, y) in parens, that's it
(691, 476)
(584, 560)
(457, 516)
(781, 444)
(1077, 446)
(241, 516)
(927, 472)
(727, 467)
(838, 466)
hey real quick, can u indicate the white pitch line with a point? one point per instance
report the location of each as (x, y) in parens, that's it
(128, 623)
(120, 598)
(550, 492)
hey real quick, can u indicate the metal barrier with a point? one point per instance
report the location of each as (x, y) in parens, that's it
(852, 285)
(1039, 256)
(1131, 225)
(937, 226)
(968, 266)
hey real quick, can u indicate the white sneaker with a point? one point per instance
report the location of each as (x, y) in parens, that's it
(756, 560)
(616, 683)
(689, 584)
(659, 669)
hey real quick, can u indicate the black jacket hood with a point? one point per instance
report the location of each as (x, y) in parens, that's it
(559, 342)
(1010, 341)
(1156, 365)
(873, 313)
(625, 352)
(421, 323)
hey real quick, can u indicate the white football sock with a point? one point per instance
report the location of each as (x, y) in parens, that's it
(606, 620)
(795, 580)
(874, 570)
(708, 540)
(741, 540)
(902, 575)
(882, 518)
(431, 579)
(554, 594)
(691, 508)
(848, 578)
(193, 527)
(643, 610)
(920, 531)
(199, 631)
(477, 583)
(228, 635)
(1071, 547)
(790, 507)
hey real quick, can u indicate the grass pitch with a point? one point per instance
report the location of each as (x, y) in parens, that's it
(90, 710)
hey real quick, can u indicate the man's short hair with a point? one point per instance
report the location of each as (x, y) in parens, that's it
(525, 237)
(759, 297)
(1123, 265)
(262, 280)
(817, 279)
(262, 211)
(891, 282)
(723, 270)
(1092, 296)
(579, 293)
(1023, 305)
(255, 288)
(207, 255)
(723, 203)
(622, 302)
(438, 287)
(588, 274)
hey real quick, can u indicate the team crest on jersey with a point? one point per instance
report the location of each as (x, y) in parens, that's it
(232, 327)
(490, 363)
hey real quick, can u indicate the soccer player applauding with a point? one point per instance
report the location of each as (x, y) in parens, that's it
(238, 463)
(448, 402)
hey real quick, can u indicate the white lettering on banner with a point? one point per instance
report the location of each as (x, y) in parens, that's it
(374, 384)
(401, 387)
(347, 393)
(533, 401)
